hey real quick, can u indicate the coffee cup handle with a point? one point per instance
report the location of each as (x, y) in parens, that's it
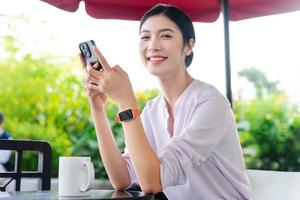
(90, 176)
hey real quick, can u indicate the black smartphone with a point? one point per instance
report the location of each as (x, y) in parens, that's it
(88, 53)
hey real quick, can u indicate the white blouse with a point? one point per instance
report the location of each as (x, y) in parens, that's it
(203, 159)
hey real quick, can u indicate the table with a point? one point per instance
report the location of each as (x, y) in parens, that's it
(95, 194)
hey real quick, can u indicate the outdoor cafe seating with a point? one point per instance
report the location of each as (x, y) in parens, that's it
(14, 180)
(43, 172)
(266, 185)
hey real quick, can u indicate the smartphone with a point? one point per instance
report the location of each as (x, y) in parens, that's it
(88, 53)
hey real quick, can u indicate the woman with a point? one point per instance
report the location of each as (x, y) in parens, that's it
(185, 142)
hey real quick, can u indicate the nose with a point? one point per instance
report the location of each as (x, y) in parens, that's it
(154, 45)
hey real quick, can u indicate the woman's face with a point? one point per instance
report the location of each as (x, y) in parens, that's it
(161, 46)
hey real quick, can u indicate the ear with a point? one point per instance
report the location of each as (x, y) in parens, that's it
(189, 47)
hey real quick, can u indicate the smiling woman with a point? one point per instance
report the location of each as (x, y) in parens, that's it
(270, 44)
(185, 142)
(152, 41)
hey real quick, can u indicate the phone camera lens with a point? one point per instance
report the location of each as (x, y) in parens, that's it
(85, 50)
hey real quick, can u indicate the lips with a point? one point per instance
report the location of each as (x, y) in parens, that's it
(156, 59)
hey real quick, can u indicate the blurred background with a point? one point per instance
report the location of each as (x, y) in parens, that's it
(42, 95)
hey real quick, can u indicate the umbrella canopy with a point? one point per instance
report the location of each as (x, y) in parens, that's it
(198, 10)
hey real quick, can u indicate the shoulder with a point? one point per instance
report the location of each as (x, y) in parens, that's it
(154, 103)
(203, 93)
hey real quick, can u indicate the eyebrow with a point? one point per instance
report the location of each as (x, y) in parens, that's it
(160, 30)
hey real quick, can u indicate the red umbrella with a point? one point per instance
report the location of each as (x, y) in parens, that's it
(199, 11)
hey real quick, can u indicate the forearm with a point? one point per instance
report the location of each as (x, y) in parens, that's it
(111, 157)
(144, 159)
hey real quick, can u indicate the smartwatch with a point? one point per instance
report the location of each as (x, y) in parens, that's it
(127, 114)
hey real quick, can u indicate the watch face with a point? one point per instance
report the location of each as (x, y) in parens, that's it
(125, 115)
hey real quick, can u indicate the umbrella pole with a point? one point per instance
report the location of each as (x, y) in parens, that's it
(225, 12)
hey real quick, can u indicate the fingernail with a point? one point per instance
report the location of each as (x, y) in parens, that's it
(96, 66)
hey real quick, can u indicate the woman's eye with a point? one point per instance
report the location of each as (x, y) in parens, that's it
(145, 37)
(166, 36)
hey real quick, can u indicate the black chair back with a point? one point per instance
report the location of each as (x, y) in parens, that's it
(44, 162)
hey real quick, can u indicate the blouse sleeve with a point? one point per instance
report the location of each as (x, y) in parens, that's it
(207, 128)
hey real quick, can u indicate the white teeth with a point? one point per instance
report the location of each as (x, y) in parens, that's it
(156, 58)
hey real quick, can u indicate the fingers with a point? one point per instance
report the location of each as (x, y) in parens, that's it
(82, 60)
(102, 59)
(92, 87)
(93, 80)
(93, 72)
(119, 70)
(95, 66)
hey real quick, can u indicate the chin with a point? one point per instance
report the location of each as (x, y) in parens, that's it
(157, 71)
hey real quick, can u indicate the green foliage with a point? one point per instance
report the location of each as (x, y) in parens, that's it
(270, 132)
(37, 104)
(44, 99)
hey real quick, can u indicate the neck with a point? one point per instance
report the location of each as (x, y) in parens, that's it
(173, 86)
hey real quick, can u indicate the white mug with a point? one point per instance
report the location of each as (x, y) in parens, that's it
(75, 176)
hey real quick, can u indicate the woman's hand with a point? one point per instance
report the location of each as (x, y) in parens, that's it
(111, 81)
(97, 99)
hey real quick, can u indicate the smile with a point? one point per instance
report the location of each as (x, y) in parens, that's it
(156, 59)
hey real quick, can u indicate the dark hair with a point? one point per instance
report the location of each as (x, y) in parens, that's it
(180, 18)
(1, 118)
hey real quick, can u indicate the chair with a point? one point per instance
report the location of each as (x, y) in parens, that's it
(44, 162)
(274, 185)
